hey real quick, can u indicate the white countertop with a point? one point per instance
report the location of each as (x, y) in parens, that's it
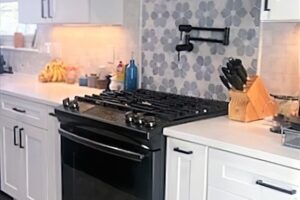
(28, 87)
(251, 139)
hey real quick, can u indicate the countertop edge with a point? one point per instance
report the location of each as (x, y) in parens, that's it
(30, 98)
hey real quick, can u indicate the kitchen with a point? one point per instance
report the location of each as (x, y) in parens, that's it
(73, 127)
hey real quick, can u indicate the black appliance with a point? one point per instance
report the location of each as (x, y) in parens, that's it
(112, 144)
(2, 64)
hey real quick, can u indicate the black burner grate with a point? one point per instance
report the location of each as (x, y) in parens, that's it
(170, 106)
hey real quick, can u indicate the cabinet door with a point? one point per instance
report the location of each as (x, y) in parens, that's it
(10, 157)
(280, 10)
(70, 11)
(186, 171)
(34, 156)
(107, 12)
(34, 11)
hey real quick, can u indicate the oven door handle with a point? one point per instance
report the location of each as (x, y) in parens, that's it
(134, 156)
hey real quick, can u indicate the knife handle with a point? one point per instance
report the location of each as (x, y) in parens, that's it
(225, 82)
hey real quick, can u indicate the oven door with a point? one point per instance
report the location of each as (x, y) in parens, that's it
(95, 167)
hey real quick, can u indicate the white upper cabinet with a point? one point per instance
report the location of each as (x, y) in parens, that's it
(71, 12)
(107, 12)
(33, 12)
(280, 10)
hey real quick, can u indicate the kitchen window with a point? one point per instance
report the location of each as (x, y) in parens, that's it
(9, 23)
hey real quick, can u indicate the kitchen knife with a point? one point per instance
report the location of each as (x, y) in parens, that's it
(239, 64)
(236, 68)
(240, 72)
(237, 82)
(225, 82)
(234, 79)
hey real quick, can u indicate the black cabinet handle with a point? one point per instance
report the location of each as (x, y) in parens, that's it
(43, 10)
(15, 135)
(19, 110)
(267, 5)
(20, 134)
(177, 149)
(290, 192)
(49, 9)
(52, 114)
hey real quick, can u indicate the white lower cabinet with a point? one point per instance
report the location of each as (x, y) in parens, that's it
(198, 172)
(34, 163)
(237, 177)
(186, 170)
(23, 160)
(11, 154)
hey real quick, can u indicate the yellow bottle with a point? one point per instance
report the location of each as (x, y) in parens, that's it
(120, 71)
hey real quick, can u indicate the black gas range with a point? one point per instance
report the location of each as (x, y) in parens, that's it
(112, 143)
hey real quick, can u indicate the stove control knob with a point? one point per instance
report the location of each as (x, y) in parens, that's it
(74, 105)
(129, 116)
(150, 121)
(66, 103)
(139, 121)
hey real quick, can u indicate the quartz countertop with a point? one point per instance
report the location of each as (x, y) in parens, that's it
(28, 87)
(250, 139)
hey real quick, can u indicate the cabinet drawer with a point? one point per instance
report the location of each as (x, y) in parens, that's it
(24, 111)
(251, 178)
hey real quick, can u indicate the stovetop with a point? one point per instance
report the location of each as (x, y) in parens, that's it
(142, 110)
(171, 107)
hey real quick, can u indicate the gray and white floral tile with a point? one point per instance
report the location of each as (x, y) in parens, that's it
(197, 72)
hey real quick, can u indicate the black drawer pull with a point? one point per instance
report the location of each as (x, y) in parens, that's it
(261, 183)
(19, 110)
(42, 9)
(15, 135)
(52, 114)
(20, 134)
(183, 151)
(267, 5)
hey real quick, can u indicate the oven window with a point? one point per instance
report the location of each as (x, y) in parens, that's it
(90, 174)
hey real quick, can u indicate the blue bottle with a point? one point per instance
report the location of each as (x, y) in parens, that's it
(131, 73)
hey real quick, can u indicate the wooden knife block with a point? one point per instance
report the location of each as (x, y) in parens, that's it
(254, 103)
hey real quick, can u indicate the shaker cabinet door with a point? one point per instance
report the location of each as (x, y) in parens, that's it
(186, 171)
(34, 11)
(280, 10)
(34, 153)
(10, 157)
(70, 11)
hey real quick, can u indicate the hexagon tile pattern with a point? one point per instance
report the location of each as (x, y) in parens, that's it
(197, 72)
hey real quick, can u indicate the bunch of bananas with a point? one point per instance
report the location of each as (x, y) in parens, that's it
(54, 71)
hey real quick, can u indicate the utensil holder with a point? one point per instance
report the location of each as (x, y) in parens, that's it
(254, 103)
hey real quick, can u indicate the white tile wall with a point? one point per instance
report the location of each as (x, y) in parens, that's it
(280, 57)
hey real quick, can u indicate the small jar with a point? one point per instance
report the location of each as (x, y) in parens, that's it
(92, 80)
(83, 81)
(71, 74)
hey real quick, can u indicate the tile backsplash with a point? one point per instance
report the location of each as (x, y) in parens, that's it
(197, 72)
(280, 57)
